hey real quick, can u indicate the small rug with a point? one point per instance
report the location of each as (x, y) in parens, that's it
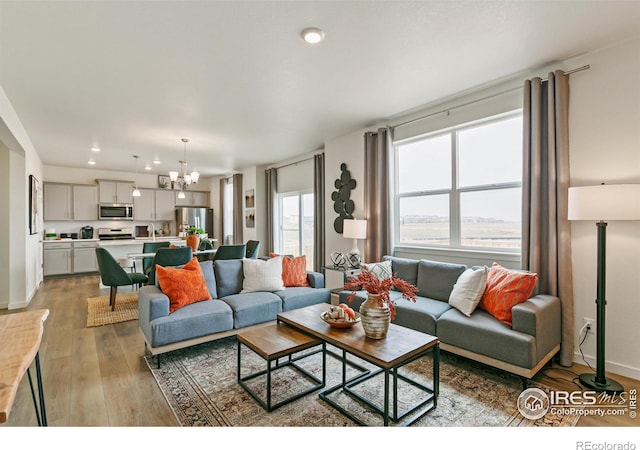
(200, 386)
(99, 312)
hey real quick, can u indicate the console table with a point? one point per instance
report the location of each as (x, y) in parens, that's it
(20, 335)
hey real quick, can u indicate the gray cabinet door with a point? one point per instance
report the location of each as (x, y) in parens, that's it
(57, 261)
(85, 202)
(57, 202)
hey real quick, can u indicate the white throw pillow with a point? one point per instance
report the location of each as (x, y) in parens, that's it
(468, 290)
(262, 275)
(380, 269)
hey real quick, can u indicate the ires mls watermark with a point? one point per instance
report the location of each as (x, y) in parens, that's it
(534, 403)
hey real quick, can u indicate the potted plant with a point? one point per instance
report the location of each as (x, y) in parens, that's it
(193, 237)
(378, 310)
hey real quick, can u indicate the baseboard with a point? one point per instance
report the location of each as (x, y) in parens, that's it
(615, 368)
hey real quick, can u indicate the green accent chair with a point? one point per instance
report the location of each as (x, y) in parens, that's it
(113, 275)
(169, 257)
(235, 251)
(252, 249)
(151, 247)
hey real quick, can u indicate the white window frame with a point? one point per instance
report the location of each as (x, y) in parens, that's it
(280, 227)
(454, 247)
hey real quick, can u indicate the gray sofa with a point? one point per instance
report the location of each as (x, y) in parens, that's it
(227, 312)
(522, 349)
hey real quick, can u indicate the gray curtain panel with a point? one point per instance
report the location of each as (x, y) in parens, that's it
(223, 237)
(271, 178)
(377, 152)
(318, 217)
(546, 233)
(238, 209)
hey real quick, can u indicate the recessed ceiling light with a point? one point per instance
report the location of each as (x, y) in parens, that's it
(92, 162)
(95, 149)
(156, 161)
(312, 35)
(147, 167)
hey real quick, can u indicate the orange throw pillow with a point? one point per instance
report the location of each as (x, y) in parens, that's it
(183, 286)
(505, 289)
(294, 270)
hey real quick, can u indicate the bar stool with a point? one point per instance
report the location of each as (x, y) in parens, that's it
(127, 263)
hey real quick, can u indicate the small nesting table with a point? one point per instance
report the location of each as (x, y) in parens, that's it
(271, 343)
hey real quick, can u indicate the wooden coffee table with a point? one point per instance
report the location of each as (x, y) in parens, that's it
(400, 347)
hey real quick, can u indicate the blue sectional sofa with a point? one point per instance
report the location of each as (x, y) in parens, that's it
(523, 348)
(227, 312)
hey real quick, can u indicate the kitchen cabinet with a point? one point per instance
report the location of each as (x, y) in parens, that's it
(165, 206)
(57, 201)
(84, 257)
(67, 257)
(85, 202)
(57, 258)
(144, 207)
(155, 205)
(115, 191)
(193, 198)
(70, 202)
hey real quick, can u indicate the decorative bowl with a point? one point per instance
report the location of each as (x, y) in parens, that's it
(340, 323)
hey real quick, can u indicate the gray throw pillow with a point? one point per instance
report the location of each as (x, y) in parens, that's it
(209, 277)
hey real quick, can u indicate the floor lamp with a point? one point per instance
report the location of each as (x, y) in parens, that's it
(602, 203)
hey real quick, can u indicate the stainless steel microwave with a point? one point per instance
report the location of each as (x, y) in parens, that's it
(115, 211)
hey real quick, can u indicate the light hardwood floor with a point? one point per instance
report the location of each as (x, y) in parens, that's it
(97, 376)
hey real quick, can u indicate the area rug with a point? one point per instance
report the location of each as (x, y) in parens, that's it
(99, 312)
(200, 386)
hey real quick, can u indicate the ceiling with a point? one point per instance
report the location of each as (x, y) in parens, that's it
(236, 79)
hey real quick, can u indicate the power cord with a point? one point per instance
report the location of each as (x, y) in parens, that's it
(585, 329)
(575, 377)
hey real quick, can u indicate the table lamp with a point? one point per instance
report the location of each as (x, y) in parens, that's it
(354, 229)
(601, 203)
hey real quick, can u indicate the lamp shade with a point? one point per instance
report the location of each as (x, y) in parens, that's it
(354, 228)
(604, 202)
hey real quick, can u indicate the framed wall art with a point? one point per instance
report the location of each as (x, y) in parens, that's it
(249, 198)
(34, 209)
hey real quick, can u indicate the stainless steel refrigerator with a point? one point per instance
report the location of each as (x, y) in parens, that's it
(195, 217)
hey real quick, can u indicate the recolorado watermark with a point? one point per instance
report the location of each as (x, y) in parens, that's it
(534, 403)
(590, 445)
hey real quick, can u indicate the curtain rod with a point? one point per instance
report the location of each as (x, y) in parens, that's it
(294, 163)
(508, 91)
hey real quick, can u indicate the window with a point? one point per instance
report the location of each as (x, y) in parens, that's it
(296, 215)
(227, 223)
(461, 187)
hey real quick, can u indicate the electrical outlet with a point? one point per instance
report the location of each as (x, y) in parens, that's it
(592, 324)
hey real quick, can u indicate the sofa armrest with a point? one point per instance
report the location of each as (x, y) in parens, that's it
(540, 317)
(152, 304)
(315, 279)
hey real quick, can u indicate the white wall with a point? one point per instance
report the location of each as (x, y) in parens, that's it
(21, 252)
(248, 183)
(348, 149)
(605, 148)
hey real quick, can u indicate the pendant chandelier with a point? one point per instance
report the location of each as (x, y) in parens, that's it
(187, 178)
